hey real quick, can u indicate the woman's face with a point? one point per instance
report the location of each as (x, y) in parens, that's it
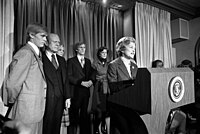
(60, 51)
(103, 54)
(129, 51)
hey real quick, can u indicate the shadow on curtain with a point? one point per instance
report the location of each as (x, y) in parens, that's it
(6, 41)
(73, 21)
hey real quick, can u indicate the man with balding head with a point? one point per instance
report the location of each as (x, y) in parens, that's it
(26, 85)
(58, 96)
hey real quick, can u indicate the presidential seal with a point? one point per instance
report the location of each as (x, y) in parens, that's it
(176, 89)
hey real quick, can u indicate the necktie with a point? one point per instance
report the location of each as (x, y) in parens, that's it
(40, 55)
(82, 62)
(53, 60)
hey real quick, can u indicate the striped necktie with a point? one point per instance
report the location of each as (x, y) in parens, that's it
(131, 69)
(53, 60)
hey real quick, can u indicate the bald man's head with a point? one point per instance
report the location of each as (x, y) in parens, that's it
(53, 42)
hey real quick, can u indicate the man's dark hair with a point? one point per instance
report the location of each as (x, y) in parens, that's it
(155, 63)
(77, 45)
(186, 63)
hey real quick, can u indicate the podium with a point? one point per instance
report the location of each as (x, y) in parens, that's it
(154, 95)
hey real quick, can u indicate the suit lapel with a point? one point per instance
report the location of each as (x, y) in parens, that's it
(78, 64)
(123, 68)
(39, 60)
(62, 67)
(49, 68)
(134, 69)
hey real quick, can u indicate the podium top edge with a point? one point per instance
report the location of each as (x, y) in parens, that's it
(157, 70)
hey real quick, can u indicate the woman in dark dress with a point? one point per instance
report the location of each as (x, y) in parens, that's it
(100, 92)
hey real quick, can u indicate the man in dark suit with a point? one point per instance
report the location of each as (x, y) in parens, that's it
(124, 69)
(81, 78)
(58, 96)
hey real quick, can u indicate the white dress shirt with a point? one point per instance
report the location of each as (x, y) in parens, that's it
(127, 63)
(49, 54)
(81, 57)
(35, 48)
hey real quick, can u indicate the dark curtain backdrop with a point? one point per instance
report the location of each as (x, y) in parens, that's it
(73, 21)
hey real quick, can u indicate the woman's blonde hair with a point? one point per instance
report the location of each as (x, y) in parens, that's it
(124, 41)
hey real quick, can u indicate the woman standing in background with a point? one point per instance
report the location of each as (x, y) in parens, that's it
(100, 92)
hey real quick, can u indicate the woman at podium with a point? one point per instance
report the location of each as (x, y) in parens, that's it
(121, 74)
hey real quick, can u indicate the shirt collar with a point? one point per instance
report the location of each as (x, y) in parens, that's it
(48, 53)
(126, 61)
(80, 57)
(35, 48)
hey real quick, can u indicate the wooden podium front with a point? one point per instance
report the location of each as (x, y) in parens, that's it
(151, 95)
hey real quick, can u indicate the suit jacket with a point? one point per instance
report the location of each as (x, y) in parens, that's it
(118, 76)
(77, 74)
(26, 86)
(50, 74)
(57, 93)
